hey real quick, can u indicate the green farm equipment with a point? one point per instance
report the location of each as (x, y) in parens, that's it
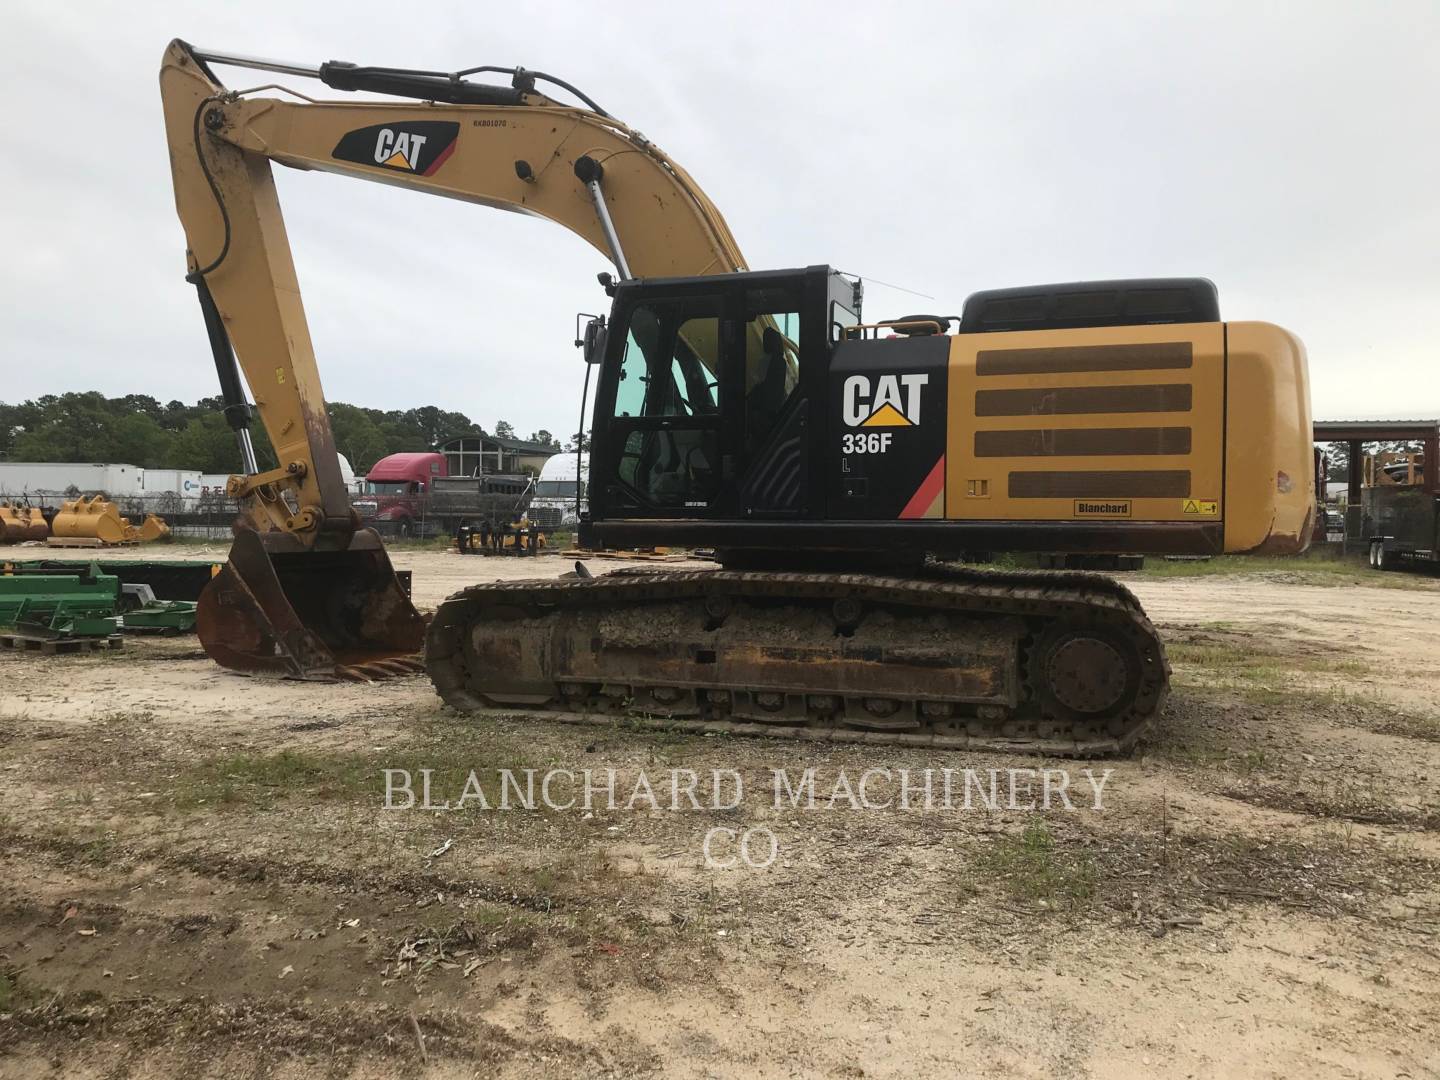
(145, 614)
(126, 589)
(48, 607)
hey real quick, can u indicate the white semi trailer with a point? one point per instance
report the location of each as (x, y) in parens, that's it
(54, 480)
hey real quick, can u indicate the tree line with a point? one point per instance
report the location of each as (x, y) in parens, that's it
(138, 430)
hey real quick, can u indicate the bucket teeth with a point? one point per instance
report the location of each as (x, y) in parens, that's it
(373, 670)
(392, 667)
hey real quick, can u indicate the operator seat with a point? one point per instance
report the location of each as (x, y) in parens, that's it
(767, 396)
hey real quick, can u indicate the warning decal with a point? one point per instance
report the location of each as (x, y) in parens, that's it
(1201, 507)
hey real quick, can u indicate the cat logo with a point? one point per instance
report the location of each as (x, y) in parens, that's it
(413, 146)
(400, 151)
(896, 400)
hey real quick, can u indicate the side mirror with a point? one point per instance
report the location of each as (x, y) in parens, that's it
(593, 342)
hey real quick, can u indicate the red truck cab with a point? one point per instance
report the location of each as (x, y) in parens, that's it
(395, 490)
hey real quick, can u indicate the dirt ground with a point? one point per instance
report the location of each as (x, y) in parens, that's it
(199, 877)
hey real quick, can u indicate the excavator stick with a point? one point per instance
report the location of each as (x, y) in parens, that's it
(305, 614)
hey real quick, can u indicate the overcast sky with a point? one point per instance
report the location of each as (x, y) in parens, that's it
(1287, 151)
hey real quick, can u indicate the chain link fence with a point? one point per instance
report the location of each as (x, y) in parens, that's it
(207, 517)
(211, 515)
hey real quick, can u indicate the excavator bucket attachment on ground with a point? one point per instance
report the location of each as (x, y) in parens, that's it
(14, 524)
(154, 528)
(33, 522)
(302, 614)
(96, 519)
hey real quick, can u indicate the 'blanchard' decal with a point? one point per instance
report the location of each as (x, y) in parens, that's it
(412, 146)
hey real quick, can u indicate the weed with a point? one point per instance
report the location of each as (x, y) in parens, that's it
(1314, 569)
(1338, 703)
(1005, 560)
(1033, 868)
(1226, 625)
(1245, 761)
(121, 719)
(485, 928)
(261, 778)
(1249, 660)
(12, 994)
(99, 850)
(448, 752)
(543, 880)
(1404, 846)
(1192, 754)
(1250, 762)
(653, 728)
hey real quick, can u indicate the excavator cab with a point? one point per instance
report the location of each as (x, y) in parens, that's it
(707, 385)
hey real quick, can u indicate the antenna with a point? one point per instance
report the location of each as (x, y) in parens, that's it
(888, 285)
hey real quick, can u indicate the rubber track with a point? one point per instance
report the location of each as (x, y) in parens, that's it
(1038, 596)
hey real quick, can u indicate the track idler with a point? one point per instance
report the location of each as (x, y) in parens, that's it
(279, 609)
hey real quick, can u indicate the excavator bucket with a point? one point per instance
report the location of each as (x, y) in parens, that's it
(321, 615)
(153, 528)
(33, 523)
(95, 518)
(12, 526)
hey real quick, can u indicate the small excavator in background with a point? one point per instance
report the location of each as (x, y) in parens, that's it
(832, 464)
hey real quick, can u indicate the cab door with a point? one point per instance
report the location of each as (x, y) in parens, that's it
(768, 429)
(704, 406)
(658, 432)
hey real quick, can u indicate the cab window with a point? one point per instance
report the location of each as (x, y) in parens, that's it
(670, 366)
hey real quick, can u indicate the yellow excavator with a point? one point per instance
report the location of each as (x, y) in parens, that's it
(837, 467)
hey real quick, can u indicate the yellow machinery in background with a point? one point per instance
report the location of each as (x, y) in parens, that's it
(21, 523)
(516, 537)
(98, 519)
(1390, 468)
(154, 528)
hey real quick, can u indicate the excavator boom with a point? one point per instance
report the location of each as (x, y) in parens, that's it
(306, 591)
